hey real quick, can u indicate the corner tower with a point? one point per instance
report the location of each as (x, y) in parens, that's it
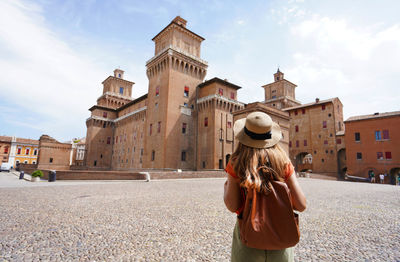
(174, 72)
(281, 93)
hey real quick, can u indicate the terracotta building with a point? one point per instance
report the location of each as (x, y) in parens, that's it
(316, 136)
(373, 144)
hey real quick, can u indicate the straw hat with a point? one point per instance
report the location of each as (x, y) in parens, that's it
(257, 130)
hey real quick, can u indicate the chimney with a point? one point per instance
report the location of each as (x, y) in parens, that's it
(316, 100)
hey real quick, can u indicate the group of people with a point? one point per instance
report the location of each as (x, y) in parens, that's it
(381, 176)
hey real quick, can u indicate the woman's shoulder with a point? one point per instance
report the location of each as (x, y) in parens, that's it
(229, 169)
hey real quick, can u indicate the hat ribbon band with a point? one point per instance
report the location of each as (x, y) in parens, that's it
(256, 136)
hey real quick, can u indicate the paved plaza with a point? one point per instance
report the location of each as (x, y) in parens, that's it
(184, 220)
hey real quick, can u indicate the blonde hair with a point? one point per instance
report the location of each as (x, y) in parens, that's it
(255, 167)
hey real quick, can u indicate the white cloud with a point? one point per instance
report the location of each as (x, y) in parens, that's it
(42, 75)
(360, 65)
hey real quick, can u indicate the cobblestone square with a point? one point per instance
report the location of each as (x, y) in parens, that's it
(185, 220)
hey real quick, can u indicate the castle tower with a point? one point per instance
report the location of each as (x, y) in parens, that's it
(281, 93)
(174, 73)
(116, 91)
(100, 125)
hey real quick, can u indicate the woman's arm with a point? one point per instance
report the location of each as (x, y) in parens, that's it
(298, 197)
(232, 196)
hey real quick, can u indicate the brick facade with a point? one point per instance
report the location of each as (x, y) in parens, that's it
(373, 143)
(53, 154)
(313, 136)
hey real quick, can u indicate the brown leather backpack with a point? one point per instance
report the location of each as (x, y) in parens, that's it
(268, 221)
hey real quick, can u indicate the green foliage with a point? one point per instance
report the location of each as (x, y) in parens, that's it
(37, 173)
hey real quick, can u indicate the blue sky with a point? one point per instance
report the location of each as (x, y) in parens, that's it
(55, 54)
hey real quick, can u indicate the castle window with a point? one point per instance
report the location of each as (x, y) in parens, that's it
(357, 137)
(159, 127)
(6, 150)
(183, 128)
(232, 95)
(183, 156)
(19, 151)
(324, 124)
(95, 163)
(101, 155)
(385, 134)
(305, 142)
(151, 128)
(104, 114)
(157, 91)
(221, 91)
(119, 75)
(108, 140)
(297, 143)
(51, 160)
(322, 160)
(186, 91)
(323, 107)
(273, 97)
(229, 124)
(156, 105)
(303, 111)
(325, 142)
(121, 90)
(206, 121)
(338, 141)
(290, 143)
(379, 155)
(185, 104)
(273, 91)
(377, 135)
(104, 125)
(295, 112)
(153, 155)
(388, 155)
(297, 128)
(26, 162)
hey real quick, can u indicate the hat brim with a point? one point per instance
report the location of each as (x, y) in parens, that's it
(238, 129)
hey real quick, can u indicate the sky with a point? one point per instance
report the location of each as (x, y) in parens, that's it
(54, 54)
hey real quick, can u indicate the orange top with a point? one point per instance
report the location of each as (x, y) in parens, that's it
(289, 169)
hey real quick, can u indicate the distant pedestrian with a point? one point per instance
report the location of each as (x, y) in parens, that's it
(398, 178)
(257, 161)
(372, 177)
(381, 178)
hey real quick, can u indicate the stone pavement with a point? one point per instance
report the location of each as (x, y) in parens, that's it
(184, 220)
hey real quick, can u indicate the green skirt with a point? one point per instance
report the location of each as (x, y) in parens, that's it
(240, 252)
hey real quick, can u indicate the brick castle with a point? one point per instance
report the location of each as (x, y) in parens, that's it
(185, 123)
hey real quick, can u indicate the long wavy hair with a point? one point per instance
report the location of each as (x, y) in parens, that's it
(255, 167)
